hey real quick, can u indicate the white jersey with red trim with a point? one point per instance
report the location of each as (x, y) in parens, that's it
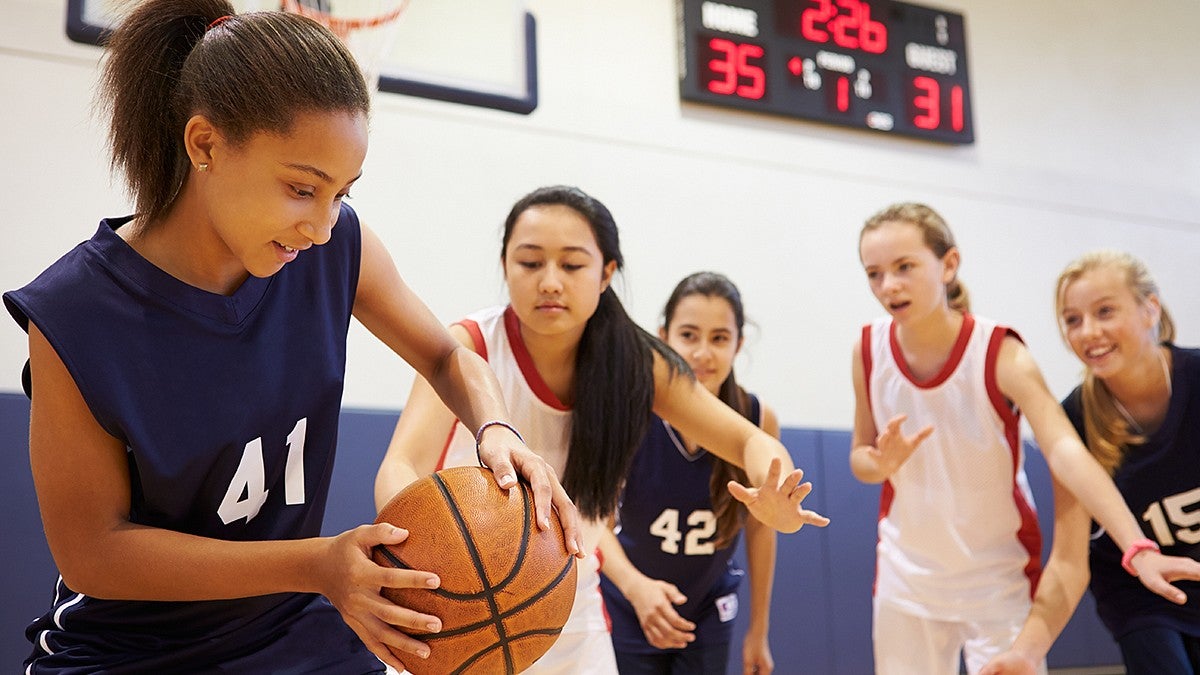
(545, 424)
(958, 534)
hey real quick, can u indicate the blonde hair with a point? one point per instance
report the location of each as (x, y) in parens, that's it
(1107, 432)
(936, 235)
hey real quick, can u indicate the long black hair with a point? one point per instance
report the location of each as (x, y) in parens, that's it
(614, 369)
(730, 513)
(168, 61)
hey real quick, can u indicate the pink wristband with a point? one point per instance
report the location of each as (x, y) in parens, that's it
(1134, 549)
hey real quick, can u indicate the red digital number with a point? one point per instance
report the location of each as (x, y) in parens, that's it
(956, 108)
(811, 17)
(928, 103)
(733, 66)
(871, 34)
(843, 94)
(852, 30)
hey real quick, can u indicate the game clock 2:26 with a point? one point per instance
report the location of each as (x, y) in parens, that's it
(883, 65)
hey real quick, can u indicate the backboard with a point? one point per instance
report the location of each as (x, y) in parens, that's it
(475, 52)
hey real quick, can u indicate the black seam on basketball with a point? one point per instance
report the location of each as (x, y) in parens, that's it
(526, 523)
(469, 661)
(399, 563)
(541, 593)
(540, 632)
(497, 621)
(506, 614)
(391, 557)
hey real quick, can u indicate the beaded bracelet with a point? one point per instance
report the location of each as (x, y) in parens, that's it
(493, 423)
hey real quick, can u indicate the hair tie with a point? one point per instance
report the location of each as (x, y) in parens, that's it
(218, 21)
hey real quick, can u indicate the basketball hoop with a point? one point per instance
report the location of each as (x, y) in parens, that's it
(367, 27)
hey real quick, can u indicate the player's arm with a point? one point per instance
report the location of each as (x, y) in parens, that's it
(420, 435)
(653, 600)
(1061, 587)
(874, 457)
(460, 377)
(1020, 380)
(760, 559)
(703, 418)
(81, 476)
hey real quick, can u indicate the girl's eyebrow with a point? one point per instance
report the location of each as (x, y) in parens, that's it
(567, 249)
(308, 168)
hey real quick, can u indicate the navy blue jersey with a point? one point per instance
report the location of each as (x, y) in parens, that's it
(1160, 481)
(668, 530)
(228, 407)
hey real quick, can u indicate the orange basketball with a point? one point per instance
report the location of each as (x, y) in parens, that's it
(507, 588)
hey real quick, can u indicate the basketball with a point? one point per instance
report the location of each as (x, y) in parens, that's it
(507, 588)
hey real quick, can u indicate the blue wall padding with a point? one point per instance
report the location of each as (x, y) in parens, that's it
(820, 609)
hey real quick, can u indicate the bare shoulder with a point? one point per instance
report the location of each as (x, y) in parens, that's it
(1017, 374)
(463, 336)
(1014, 359)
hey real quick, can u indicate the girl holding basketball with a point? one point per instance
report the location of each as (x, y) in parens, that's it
(1137, 408)
(672, 595)
(959, 548)
(582, 380)
(186, 367)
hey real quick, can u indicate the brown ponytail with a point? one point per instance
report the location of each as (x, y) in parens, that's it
(248, 73)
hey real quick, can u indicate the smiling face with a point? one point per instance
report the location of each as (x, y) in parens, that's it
(1104, 323)
(704, 331)
(554, 270)
(275, 195)
(905, 275)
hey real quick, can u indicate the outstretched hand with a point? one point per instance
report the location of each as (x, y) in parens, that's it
(352, 582)
(892, 448)
(1156, 572)
(777, 503)
(505, 454)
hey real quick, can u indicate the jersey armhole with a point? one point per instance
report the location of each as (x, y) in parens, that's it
(1004, 407)
(865, 348)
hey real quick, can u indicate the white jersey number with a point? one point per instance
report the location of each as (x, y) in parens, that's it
(698, 540)
(247, 491)
(1182, 510)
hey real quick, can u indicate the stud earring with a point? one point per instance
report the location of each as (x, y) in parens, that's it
(202, 167)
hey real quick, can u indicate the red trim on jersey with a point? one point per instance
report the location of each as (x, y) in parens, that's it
(472, 327)
(865, 346)
(512, 326)
(441, 463)
(1004, 408)
(1028, 534)
(956, 353)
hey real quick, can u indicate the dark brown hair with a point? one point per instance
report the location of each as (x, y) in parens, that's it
(614, 369)
(249, 73)
(730, 513)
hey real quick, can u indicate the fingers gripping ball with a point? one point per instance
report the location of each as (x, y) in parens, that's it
(507, 588)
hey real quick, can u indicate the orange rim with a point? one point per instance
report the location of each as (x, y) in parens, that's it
(340, 26)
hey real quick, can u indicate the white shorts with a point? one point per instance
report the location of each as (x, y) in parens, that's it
(589, 653)
(907, 644)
